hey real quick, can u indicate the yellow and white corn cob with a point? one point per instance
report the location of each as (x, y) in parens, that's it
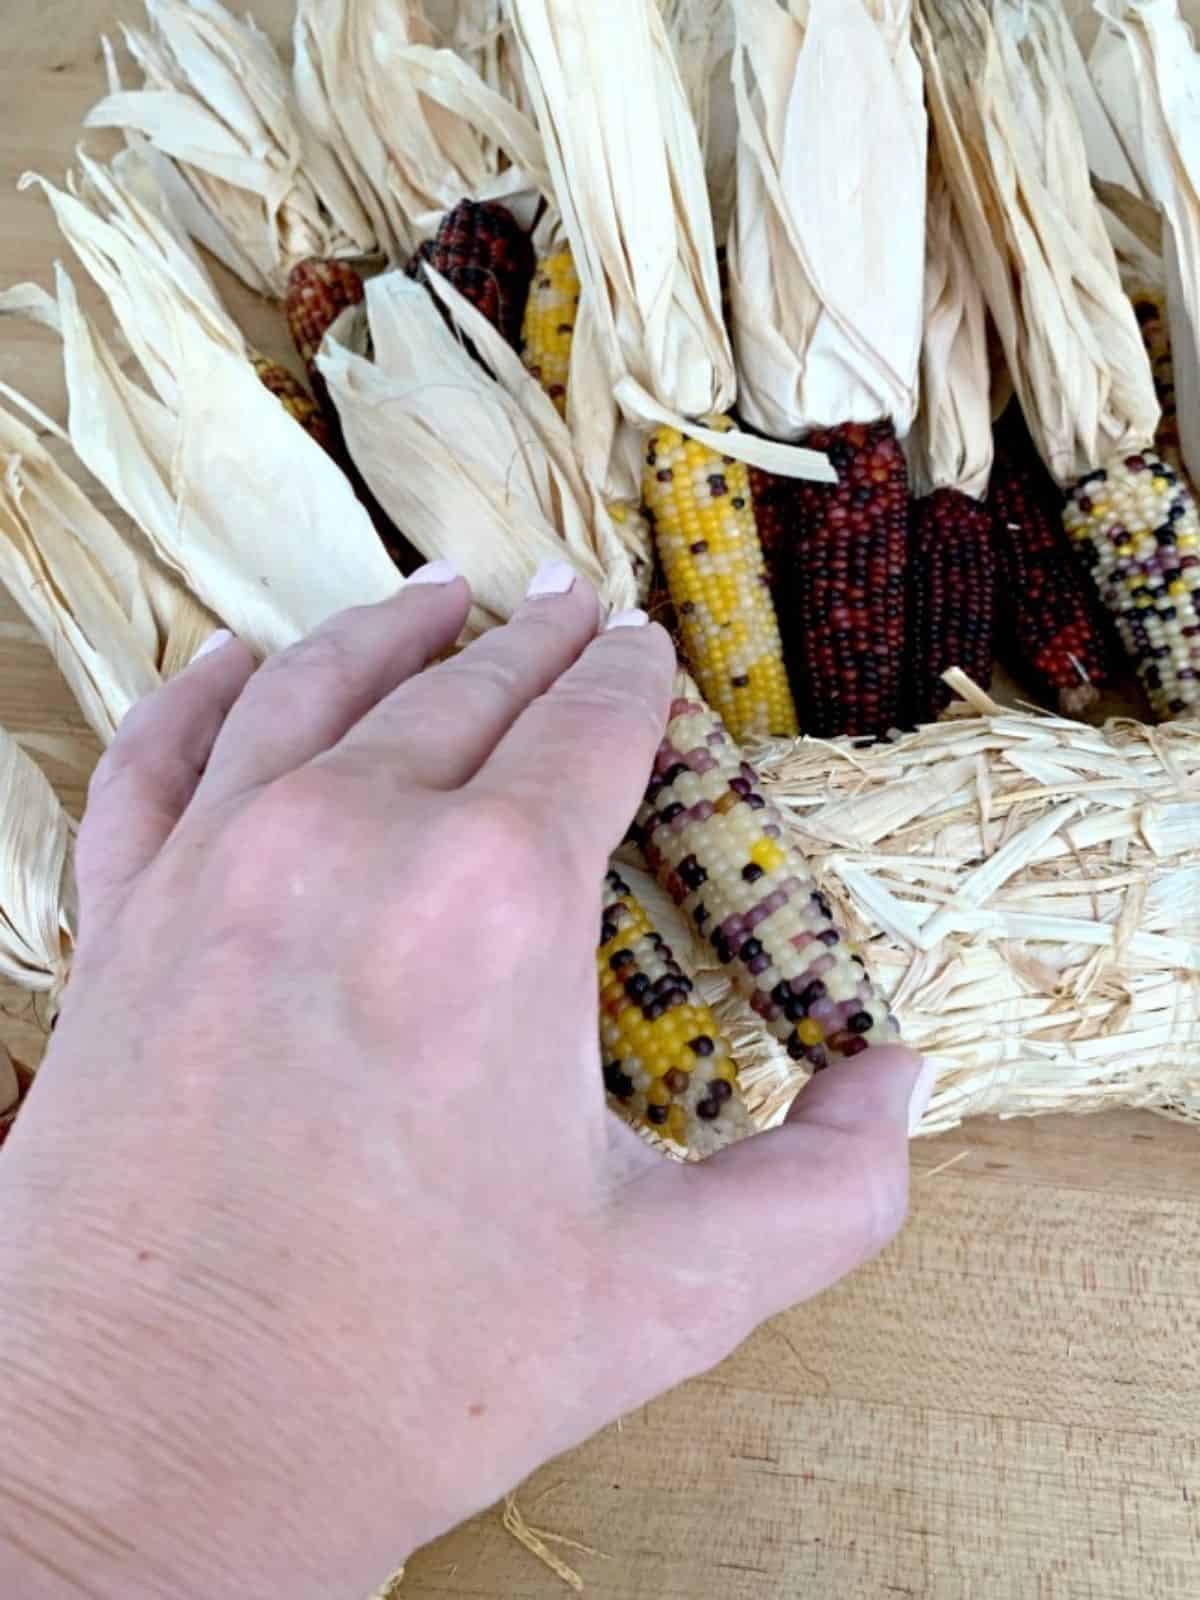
(720, 849)
(667, 1065)
(1135, 524)
(707, 540)
(549, 327)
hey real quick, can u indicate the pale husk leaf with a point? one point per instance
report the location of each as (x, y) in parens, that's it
(951, 444)
(1164, 72)
(37, 899)
(257, 185)
(1015, 160)
(702, 37)
(827, 248)
(628, 175)
(81, 586)
(1038, 937)
(478, 470)
(419, 128)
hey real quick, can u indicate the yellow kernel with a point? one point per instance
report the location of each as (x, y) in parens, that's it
(810, 1032)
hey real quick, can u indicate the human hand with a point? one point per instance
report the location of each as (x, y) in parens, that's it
(317, 1233)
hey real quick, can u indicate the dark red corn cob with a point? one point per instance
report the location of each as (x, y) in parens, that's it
(775, 513)
(483, 253)
(317, 294)
(9, 1115)
(841, 582)
(951, 599)
(1048, 621)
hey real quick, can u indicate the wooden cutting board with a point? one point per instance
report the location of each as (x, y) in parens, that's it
(1005, 1407)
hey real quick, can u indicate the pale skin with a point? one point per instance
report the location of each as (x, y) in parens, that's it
(317, 1235)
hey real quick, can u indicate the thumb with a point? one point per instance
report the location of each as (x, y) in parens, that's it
(788, 1213)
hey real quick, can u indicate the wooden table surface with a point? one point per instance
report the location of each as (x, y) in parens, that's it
(1007, 1405)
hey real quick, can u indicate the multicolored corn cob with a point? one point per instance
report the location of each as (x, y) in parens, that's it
(317, 294)
(705, 535)
(720, 849)
(952, 599)
(481, 250)
(1136, 526)
(549, 327)
(1048, 620)
(295, 399)
(667, 1065)
(23, 1080)
(1151, 308)
(841, 584)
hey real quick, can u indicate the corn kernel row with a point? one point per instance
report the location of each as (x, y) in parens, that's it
(719, 848)
(705, 534)
(483, 253)
(1150, 307)
(666, 1062)
(295, 399)
(1135, 524)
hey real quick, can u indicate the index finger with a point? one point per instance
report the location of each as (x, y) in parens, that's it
(582, 753)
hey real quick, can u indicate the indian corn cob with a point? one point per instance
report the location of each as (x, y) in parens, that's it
(1047, 616)
(705, 535)
(483, 253)
(1134, 522)
(1150, 307)
(952, 597)
(317, 294)
(841, 583)
(720, 849)
(549, 326)
(667, 1065)
(295, 399)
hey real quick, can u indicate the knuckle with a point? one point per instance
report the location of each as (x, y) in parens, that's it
(498, 840)
(328, 655)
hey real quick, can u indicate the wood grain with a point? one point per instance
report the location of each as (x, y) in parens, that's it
(1005, 1407)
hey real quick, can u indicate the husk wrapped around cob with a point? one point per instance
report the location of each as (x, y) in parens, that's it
(952, 565)
(1018, 166)
(826, 302)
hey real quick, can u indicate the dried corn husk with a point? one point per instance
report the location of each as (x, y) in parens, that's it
(37, 896)
(1015, 160)
(702, 37)
(248, 177)
(629, 180)
(827, 249)
(951, 445)
(1164, 69)
(1026, 892)
(419, 128)
(476, 469)
(226, 487)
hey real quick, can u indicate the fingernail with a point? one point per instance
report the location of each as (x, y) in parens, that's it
(434, 572)
(215, 641)
(626, 619)
(552, 577)
(922, 1094)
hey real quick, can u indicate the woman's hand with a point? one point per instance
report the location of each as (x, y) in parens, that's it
(317, 1235)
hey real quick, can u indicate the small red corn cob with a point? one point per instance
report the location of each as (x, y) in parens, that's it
(8, 1115)
(317, 294)
(295, 399)
(483, 253)
(841, 583)
(1048, 619)
(951, 599)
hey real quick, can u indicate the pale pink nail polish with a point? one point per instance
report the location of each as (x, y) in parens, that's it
(551, 578)
(215, 641)
(626, 619)
(922, 1094)
(437, 572)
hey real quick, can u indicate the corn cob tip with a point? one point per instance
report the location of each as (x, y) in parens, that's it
(483, 252)
(317, 294)
(548, 331)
